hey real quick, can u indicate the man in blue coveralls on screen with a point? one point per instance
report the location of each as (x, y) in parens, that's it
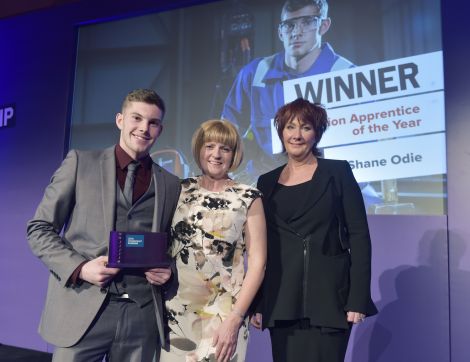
(257, 92)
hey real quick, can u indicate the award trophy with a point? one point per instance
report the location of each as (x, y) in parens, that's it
(138, 250)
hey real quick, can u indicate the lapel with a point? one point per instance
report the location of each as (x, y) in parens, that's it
(321, 179)
(159, 184)
(108, 188)
(271, 182)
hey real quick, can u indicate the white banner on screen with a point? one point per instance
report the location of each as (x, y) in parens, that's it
(396, 98)
(394, 78)
(393, 159)
(418, 114)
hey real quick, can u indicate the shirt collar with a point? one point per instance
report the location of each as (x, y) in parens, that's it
(280, 71)
(123, 159)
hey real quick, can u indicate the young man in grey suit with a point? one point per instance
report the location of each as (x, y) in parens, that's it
(93, 311)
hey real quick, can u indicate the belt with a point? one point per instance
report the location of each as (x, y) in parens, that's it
(120, 297)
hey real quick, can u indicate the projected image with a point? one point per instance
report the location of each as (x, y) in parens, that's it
(375, 65)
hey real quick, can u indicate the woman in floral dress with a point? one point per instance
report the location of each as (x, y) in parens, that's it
(216, 222)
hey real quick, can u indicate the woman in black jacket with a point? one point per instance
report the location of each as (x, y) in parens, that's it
(317, 280)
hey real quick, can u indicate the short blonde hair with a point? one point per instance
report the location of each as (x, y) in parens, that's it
(221, 131)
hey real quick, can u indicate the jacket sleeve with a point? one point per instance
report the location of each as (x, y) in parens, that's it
(237, 106)
(355, 218)
(53, 212)
(174, 271)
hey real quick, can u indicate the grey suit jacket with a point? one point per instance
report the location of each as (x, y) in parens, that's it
(72, 225)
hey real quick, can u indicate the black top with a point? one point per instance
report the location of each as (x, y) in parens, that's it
(319, 260)
(286, 199)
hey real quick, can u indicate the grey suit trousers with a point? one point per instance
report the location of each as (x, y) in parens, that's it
(121, 332)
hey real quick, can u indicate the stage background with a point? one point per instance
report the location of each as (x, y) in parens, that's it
(192, 56)
(421, 265)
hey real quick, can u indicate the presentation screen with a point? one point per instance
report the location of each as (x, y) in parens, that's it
(376, 66)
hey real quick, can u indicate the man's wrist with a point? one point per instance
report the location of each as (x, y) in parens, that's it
(75, 280)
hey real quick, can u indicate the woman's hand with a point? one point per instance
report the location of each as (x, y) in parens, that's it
(257, 320)
(355, 317)
(225, 338)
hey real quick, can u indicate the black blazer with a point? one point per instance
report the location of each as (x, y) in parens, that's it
(319, 264)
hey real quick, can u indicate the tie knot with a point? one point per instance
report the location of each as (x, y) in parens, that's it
(132, 167)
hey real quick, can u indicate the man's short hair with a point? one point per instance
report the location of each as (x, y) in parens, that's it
(220, 131)
(148, 96)
(294, 5)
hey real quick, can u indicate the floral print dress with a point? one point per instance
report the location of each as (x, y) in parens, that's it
(208, 244)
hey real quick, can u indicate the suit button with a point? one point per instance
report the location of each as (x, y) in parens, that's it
(129, 217)
(124, 284)
(103, 290)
